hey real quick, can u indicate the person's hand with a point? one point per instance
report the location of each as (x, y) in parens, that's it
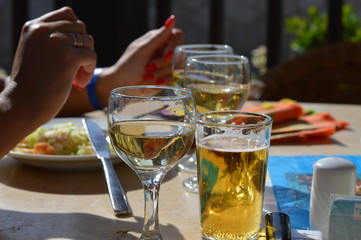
(49, 59)
(54, 50)
(148, 59)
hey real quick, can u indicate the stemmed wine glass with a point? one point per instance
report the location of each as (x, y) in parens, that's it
(151, 129)
(219, 83)
(181, 53)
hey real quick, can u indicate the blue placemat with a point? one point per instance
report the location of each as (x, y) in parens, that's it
(291, 178)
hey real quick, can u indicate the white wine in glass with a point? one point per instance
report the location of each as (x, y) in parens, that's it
(181, 53)
(151, 128)
(219, 83)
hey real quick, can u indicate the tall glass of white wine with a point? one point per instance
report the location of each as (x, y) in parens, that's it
(181, 53)
(218, 83)
(151, 129)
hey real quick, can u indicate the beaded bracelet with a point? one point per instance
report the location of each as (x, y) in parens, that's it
(91, 90)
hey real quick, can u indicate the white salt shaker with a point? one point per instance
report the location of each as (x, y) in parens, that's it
(330, 175)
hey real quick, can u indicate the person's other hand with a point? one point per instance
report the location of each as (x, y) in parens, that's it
(148, 59)
(47, 61)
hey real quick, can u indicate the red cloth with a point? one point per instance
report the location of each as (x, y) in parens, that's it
(291, 123)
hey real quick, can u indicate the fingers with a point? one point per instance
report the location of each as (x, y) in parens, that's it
(165, 60)
(63, 13)
(67, 26)
(83, 76)
(158, 38)
(78, 50)
(68, 37)
(176, 38)
(167, 38)
(75, 39)
(159, 63)
(159, 76)
(62, 20)
(82, 43)
(160, 69)
(170, 22)
(82, 40)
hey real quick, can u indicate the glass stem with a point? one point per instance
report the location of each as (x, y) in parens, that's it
(151, 183)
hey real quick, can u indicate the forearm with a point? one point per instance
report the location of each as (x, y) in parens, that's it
(17, 119)
(13, 130)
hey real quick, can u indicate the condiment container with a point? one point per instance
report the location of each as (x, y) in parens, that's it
(331, 175)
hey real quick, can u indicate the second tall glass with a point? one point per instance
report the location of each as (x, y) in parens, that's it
(181, 54)
(219, 83)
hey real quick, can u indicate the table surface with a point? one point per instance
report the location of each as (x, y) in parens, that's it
(40, 204)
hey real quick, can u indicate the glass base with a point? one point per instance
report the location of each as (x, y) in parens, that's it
(155, 237)
(191, 184)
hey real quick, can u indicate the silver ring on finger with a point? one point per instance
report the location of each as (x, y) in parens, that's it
(77, 39)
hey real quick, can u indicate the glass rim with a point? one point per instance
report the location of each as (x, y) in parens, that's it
(237, 59)
(187, 92)
(267, 119)
(190, 48)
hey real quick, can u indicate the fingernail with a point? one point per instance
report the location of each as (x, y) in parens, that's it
(168, 56)
(160, 82)
(169, 21)
(75, 84)
(151, 67)
(148, 77)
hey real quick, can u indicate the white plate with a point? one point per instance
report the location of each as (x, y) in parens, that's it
(64, 162)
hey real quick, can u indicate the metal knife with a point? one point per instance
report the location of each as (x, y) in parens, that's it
(116, 193)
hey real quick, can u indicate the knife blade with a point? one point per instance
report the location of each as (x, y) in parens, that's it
(116, 193)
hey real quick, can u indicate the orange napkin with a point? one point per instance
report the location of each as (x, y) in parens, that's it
(291, 123)
(281, 111)
(306, 127)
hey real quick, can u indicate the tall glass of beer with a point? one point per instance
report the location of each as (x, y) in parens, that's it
(232, 154)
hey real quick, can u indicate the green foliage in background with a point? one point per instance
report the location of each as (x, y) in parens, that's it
(311, 32)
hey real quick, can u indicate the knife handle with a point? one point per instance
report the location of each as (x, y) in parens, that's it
(116, 193)
(278, 226)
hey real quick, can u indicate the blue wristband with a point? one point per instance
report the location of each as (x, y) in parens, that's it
(91, 90)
